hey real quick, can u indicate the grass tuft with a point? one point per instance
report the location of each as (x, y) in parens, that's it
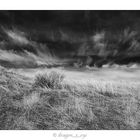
(52, 80)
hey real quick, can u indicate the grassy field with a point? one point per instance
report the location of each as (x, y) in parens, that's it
(60, 79)
(52, 100)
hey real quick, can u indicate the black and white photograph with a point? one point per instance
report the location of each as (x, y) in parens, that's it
(69, 69)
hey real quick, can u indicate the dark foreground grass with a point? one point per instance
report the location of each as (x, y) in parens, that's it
(44, 104)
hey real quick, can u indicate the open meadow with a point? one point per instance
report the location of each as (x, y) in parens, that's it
(64, 98)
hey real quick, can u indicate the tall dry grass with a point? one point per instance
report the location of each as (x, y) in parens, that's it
(75, 106)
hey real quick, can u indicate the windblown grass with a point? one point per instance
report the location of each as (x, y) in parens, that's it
(51, 103)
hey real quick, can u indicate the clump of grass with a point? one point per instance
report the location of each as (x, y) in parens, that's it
(52, 80)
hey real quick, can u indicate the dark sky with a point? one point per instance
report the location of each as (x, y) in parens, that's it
(77, 20)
